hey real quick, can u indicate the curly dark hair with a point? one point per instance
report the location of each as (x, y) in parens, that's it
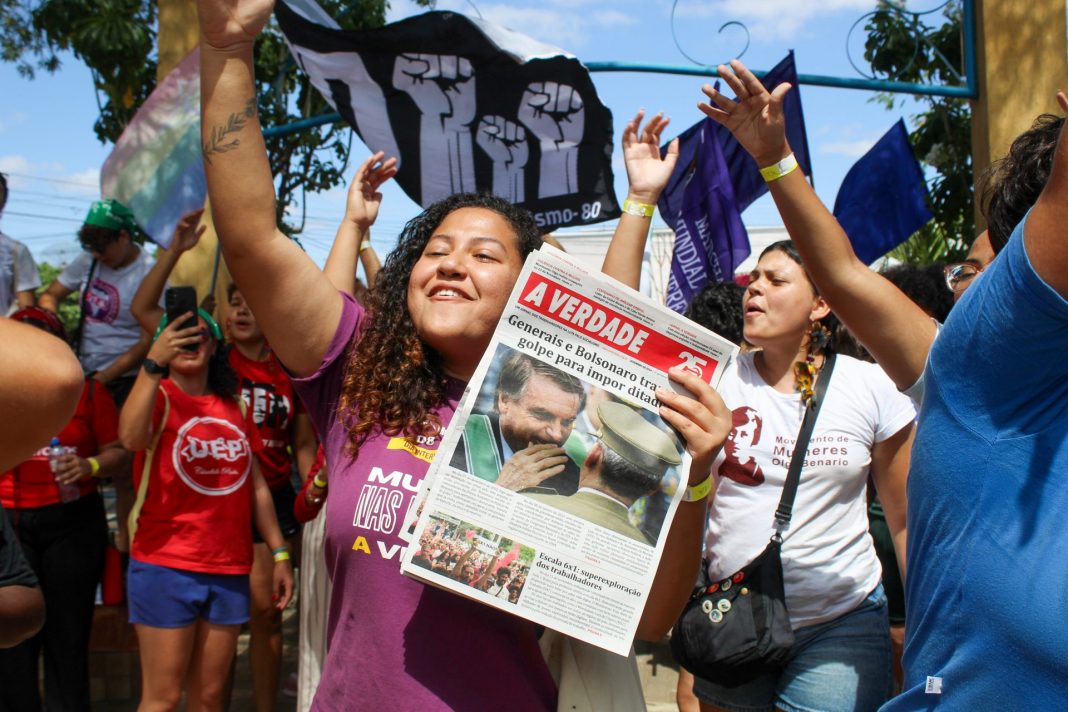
(719, 307)
(393, 380)
(924, 285)
(3, 191)
(829, 322)
(1010, 186)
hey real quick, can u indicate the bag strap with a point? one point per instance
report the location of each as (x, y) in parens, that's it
(793, 475)
(150, 455)
(81, 310)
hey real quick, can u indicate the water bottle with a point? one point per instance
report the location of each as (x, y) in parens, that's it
(67, 492)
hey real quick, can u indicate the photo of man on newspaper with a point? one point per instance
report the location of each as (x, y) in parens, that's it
(525, 440)
(568, 444)
(475, 557)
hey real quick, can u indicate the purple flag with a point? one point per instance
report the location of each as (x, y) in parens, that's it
(699, 205)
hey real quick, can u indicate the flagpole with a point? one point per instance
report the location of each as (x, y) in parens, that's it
(215, 268)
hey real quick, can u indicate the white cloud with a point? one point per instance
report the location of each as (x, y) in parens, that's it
(767, 19)
(51, 176)
(613, 17)
(11, 120)
(849, 149)
(566, 30)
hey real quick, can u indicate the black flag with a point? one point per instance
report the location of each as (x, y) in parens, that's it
(466, 106)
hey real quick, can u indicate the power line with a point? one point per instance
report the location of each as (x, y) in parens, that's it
(42, 217)
(91, 186)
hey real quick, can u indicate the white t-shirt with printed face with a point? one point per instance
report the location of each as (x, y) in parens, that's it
(829, 560)
(18, 273)
(109, 329)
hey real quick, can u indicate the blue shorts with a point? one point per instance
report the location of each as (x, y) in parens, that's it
(163, 597)
(838, 666)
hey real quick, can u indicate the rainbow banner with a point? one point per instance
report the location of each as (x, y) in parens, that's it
(156, 168)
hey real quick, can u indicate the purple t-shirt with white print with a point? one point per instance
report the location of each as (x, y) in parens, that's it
(393, 643)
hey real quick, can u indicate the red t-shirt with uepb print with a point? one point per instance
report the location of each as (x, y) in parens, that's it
(196, 512)
(268, 393)
(95, 423)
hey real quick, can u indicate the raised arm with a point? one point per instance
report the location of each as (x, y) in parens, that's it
(296, 304)
(896, 332)
(1044, 232)
(647, 174)
(704, 423)
(145, 304)
(361, 211)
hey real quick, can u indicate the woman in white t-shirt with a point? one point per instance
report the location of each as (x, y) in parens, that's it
(841, 660)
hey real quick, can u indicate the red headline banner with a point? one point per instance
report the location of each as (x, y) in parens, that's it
(609, 327)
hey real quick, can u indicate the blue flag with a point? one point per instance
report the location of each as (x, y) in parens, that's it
(883, 198)
(699, 205)
(745, 173)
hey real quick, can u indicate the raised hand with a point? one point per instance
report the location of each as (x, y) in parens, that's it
(702, 419)
(506, 143)
(531, 466)
(364, 198)
(647, 172)
(555, 114)
(187, 232)
(756, 119)
(171, 340)
(226, 23)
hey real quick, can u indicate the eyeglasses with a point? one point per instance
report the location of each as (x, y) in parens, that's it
(960, 274)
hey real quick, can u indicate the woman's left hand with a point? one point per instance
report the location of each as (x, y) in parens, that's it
(647, 172)
(703, 420)
(71, 468)
(282, 583)
(364, 197)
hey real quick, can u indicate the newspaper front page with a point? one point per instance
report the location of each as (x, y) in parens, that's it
(555, 483)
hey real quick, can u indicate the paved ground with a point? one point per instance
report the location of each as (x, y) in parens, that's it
(658, 672)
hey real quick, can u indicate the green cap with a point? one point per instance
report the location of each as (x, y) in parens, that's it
(111, 214)
(636, 440)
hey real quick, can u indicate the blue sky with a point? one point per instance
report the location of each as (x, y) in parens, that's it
(48, 148)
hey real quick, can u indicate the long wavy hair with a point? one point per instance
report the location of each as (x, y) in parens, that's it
(393, 380)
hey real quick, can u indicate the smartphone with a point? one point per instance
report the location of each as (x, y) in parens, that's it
(177, 301)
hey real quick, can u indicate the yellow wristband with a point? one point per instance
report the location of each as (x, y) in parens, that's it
(365, 245)
(94, 466)
(699, 491)
(776, 171)
(321, 484)
(280, 555)
(642, 210)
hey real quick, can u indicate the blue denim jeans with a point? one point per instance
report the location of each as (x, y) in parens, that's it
(843, 665)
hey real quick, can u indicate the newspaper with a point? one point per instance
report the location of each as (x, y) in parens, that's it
(576, 551)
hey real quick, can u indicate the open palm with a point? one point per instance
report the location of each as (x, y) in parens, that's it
(755, 118)
(647, 172)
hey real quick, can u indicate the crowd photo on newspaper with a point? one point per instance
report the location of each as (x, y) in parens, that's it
(805, 474)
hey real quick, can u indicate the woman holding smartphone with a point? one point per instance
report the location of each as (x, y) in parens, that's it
(198, 487)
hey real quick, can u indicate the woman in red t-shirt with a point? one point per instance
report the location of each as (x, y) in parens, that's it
(283, 427)
(59, 519)
(199, 486)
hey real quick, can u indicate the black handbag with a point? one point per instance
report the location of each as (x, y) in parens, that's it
(740, 624)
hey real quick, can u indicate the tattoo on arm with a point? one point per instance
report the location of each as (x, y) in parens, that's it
(221, 139)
